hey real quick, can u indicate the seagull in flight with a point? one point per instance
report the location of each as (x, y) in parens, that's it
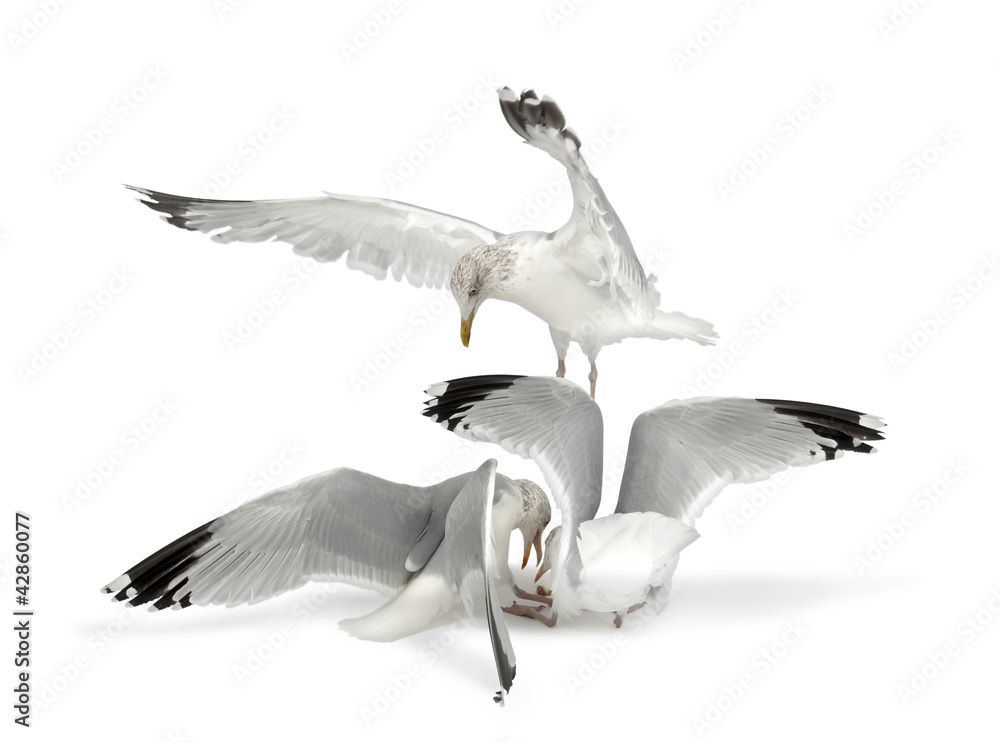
(680, 456)
(584, 279)
(428, 548)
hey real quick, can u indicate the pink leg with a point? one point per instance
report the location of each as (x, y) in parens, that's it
(528, 612)
(620, 616)
(525, 595)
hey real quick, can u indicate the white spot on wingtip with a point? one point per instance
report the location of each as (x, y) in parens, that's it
(436, 390)
(870, 421)
(118, 584)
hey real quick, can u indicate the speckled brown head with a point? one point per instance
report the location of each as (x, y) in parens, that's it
(535, 516)
(480, 274)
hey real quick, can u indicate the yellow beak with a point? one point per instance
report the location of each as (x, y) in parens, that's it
(537, 543)
(467, 328)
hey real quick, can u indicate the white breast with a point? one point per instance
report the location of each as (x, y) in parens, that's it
(554, 291)
(624, 555)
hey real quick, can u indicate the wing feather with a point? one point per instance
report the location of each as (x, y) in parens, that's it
(341, 525)
(683, 453)
(377, 235)
(550, 421)
(471, 563)
(594, 240)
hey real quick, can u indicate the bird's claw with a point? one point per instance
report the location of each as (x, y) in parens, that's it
(526, 611)
(631, 609)
(537, 596)
(519, 609)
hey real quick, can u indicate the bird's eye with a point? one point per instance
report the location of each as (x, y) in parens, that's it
(473, 291)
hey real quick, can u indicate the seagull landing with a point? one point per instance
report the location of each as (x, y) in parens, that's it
(584, 279)
(680, 456)
(429, 548)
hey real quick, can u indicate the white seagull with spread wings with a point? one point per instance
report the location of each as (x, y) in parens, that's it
(680, 456)
(584, 279)
(430, 548)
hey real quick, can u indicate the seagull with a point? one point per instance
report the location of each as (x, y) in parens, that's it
(624, 557)
(584, 279)
(429, 548)
(680, 456)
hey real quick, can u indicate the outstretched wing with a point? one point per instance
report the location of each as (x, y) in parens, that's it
(551, 421)
(377, 235)
(342, 525)
(595, 241)
(682, 454)
(471, 563)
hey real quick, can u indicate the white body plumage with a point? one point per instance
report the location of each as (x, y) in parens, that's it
(625, 556)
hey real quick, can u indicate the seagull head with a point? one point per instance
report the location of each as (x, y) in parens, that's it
(551, 547)
(481, 273)
(535, 516)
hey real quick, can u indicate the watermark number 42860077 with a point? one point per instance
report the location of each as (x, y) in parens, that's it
(22, 619)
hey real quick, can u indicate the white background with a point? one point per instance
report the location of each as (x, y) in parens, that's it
(663, 133)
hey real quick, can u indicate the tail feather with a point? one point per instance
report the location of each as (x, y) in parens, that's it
(667, 325)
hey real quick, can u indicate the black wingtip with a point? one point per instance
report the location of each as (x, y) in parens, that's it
(450, 399)
(530, 110)
(849, 430)
(505, 663)
(177, 209)
(149, 580)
